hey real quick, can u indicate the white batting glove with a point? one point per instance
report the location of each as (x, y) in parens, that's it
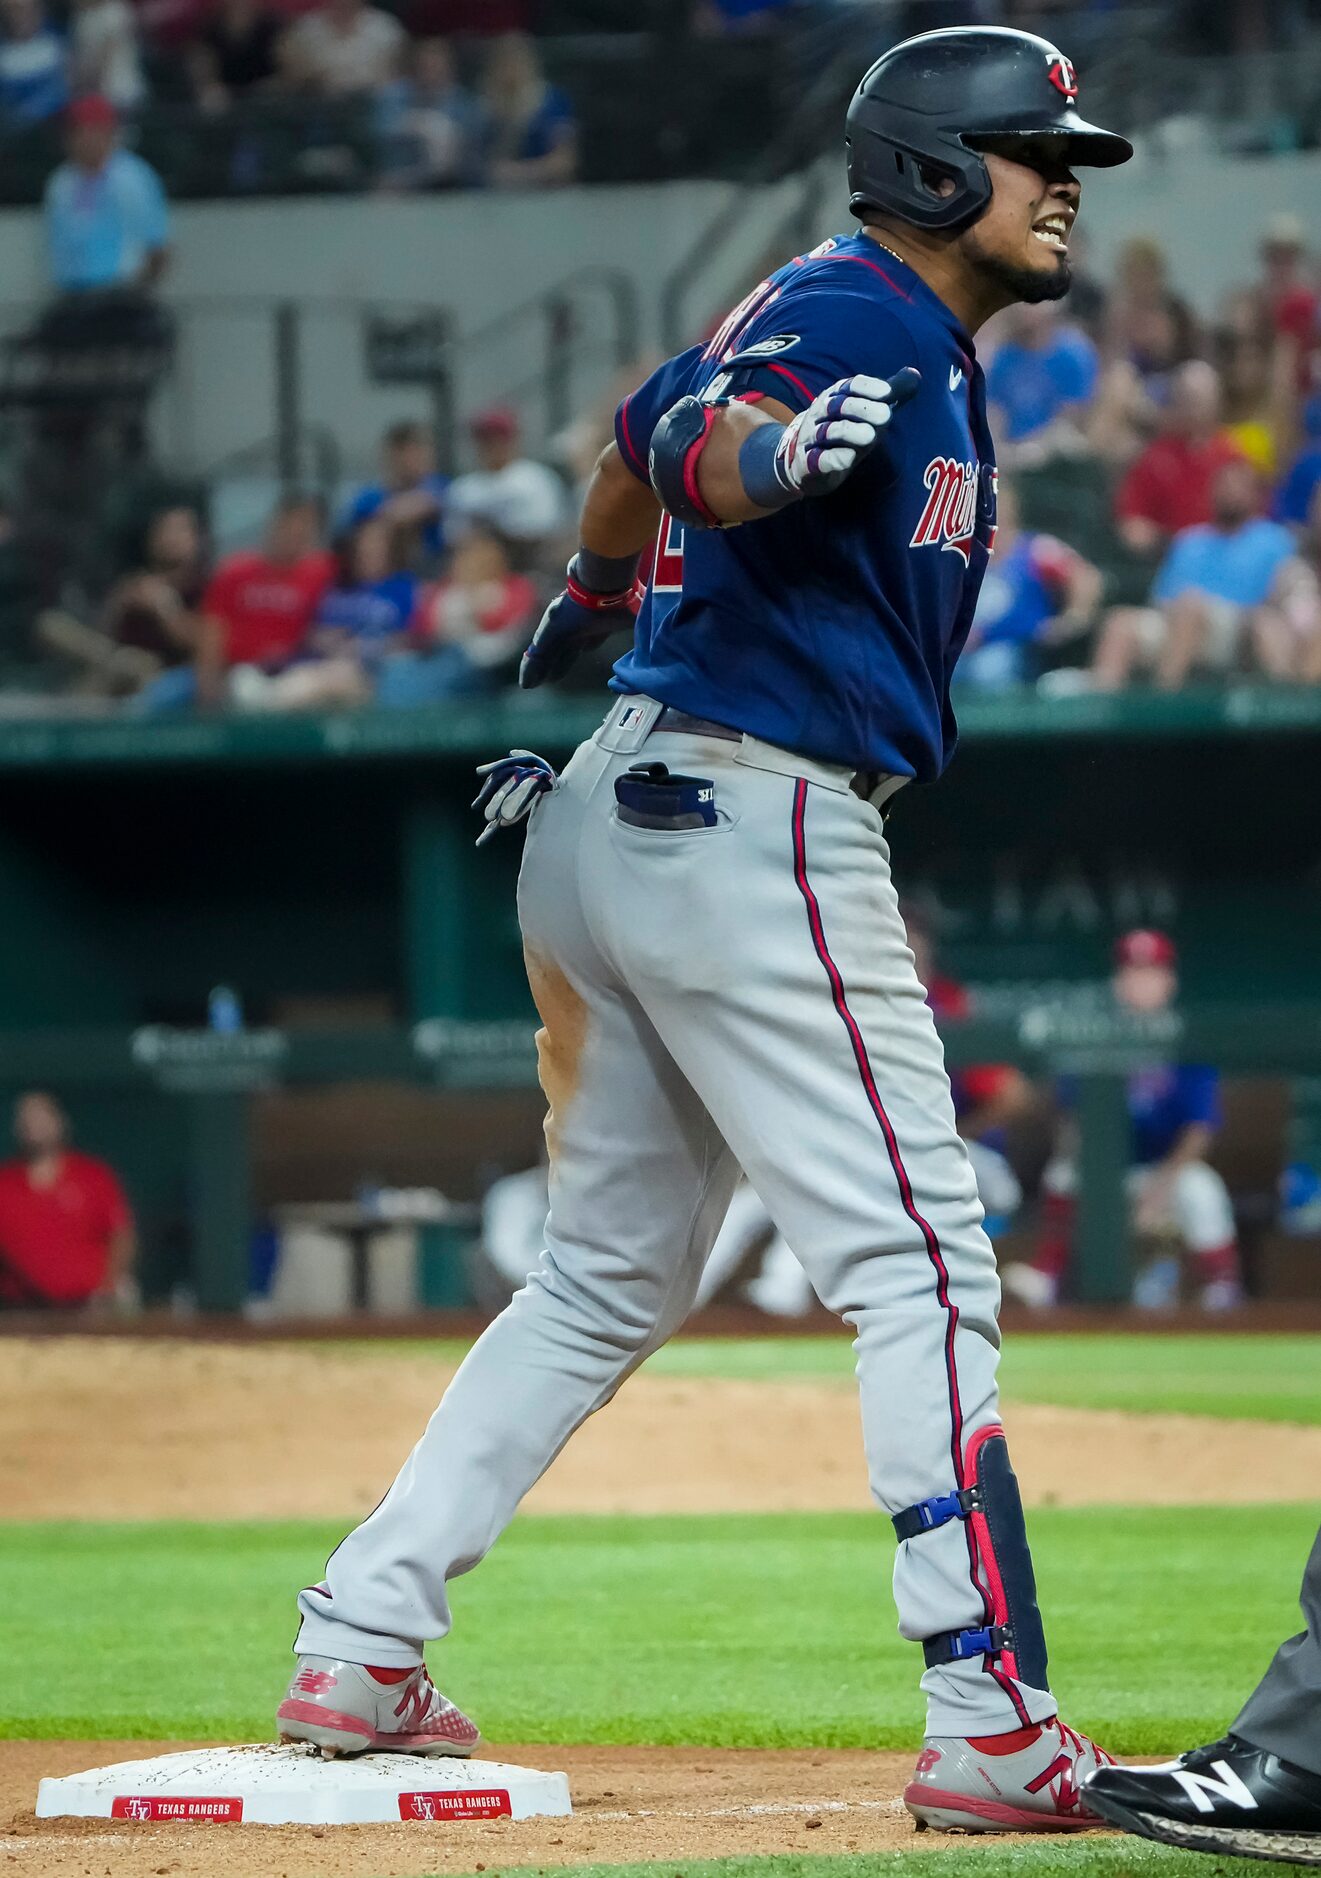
(822, 444)
(509, 788)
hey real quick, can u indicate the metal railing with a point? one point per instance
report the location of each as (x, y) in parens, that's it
(283, 375)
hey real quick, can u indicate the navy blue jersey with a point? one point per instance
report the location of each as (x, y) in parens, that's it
(832, 627)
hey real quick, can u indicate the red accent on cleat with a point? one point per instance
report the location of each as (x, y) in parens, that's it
(326, 1718)
(314, 1681)
(389, 1675)
(1018, 1818)
(1006, 1744)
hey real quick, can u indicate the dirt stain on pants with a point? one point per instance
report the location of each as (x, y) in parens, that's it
(560, 1040)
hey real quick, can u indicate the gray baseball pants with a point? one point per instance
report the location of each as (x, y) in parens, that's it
(739, 994)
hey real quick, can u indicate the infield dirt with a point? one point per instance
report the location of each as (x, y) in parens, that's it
(128, 1429)
(151, 1429)
(630, 1804)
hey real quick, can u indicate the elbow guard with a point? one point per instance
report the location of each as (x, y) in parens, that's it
(676, 449)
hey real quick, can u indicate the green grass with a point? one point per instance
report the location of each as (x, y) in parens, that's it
(1087, 1857)
(772, 1630)
(1264, 1378)
(1261, 1377)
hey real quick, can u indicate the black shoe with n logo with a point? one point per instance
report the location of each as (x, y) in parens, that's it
(1229, 1798)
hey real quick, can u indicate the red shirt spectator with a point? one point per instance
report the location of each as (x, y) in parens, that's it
(260, 603)
(1170, 484)
(481, 605)
(1169, 487)
(66, 1231)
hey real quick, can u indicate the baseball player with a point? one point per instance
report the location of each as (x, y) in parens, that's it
(1174, 1192)
(713, 939)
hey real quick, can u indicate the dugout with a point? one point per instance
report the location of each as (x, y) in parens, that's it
(324, 868)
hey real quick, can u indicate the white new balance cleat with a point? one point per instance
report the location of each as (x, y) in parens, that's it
(1022, 1782)
(348, 1708)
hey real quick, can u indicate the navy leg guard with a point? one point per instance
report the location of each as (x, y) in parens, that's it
(994, 1509)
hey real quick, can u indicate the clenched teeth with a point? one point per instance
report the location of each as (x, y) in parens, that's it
(1053, 232)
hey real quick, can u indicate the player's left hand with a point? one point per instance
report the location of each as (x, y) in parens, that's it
(510, 787)
(575, 621)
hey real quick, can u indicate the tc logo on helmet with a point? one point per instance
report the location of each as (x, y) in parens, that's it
(1063, 76)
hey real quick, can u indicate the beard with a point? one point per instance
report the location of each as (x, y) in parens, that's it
(1027, 285)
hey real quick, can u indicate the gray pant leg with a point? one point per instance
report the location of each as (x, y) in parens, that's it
(773, 962)
(1283, 1713)
(639, 1182)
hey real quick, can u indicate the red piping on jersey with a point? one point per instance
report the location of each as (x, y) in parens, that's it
(929, 1238)
(875, 267)
(784, 372)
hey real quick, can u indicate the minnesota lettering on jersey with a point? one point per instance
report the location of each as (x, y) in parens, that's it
(949, 519)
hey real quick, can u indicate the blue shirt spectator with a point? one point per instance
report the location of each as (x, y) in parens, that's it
(410, 495)
(368, 608)
(1166, 1099)
(107, 221)
(374, 614)
(533, 138)
(1043, 372)
(1235, 564)
(714, 17)
(430, 129)
(1035, 587)
(1293, 499)
(1162, 1101)
(34, 82)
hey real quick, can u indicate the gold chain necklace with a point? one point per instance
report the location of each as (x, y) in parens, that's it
(889, 250)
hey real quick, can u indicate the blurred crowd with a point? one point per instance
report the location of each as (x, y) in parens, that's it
(438, 119)
(422, 588)
(216, 53)
(1159, 522)
(437, 94)
(1159, 514)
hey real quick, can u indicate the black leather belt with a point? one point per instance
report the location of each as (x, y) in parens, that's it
(680, 721)
(865, 783)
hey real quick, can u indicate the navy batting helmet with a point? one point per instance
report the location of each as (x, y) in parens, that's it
(925, 106)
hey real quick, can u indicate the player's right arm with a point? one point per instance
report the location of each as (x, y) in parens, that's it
(738, 462)
(716, 448)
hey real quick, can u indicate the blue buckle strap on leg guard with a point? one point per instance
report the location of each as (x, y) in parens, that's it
(939, 1510)
(957, 1646)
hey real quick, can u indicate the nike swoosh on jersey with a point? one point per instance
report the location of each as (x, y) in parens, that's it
(955, 377)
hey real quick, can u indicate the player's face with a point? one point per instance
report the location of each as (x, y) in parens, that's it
(1145, 988)
(38, 1125)
(1022, 240)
